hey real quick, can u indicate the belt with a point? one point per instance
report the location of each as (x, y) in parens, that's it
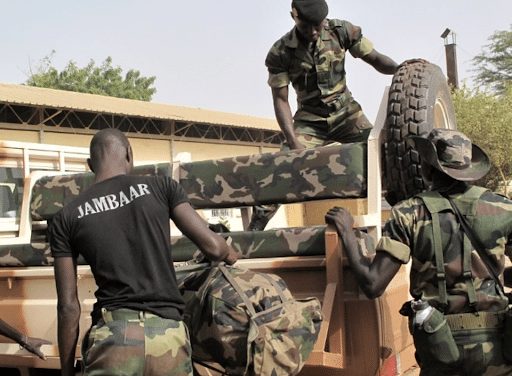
(125, 314)
(478, 320)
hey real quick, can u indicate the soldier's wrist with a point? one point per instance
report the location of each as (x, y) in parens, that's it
(23, 341)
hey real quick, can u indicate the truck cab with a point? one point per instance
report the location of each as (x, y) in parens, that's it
(27, 289)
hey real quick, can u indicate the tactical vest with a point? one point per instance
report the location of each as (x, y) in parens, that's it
(467, 204)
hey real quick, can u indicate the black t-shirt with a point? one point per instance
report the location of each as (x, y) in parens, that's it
(121, 228)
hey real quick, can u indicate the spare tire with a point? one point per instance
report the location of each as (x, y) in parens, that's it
(419, 100)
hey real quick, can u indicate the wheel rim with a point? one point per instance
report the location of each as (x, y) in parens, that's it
(441, 117)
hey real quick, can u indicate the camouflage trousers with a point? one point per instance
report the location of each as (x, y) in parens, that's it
(344, 128)
(480, 355)
(126, 342)
(311, 141)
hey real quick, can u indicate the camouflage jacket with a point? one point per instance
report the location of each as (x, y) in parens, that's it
(318, 79)
(408, 234)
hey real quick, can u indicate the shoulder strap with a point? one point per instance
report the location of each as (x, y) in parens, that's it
(338, 28)
(334, 22)
(477, 244)
(468, 201)
(436, 203)
(242, 293)
(276, 287)
(238, 289)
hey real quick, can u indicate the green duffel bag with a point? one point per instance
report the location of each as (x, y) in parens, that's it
(248, 322)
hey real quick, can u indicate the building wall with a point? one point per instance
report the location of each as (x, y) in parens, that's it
(20, 136)
(145, 150)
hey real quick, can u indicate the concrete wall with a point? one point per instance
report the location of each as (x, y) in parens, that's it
(145, 150)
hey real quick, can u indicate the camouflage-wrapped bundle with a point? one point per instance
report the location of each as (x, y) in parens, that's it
(282, 242)
(249, 322)
(51, 193)
(327, 172)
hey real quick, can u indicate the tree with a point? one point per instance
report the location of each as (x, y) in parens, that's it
(103, 80)
(487, 120)
(494, 64)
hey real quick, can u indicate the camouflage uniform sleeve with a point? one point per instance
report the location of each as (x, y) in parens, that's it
(277, 68)
(396, 236)
(494, 214)
(351, 37)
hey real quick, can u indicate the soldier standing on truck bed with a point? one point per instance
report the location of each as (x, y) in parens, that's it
(312, 58)
(28, 343)
(120, 225)
(455, 280)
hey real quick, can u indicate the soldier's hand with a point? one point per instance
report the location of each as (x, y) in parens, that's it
(34, 346)
(232, 257)
(340, 218)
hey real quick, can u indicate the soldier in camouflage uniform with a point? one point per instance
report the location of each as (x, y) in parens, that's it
(312, 58)
(120, 225)
(474, 306)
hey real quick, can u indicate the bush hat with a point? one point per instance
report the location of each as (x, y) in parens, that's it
(453, 153)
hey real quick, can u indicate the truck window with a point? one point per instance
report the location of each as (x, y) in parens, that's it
(11, 191)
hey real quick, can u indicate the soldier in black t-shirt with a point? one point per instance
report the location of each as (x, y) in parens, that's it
(120, 225)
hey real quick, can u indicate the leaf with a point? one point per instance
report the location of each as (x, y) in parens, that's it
(103, 80)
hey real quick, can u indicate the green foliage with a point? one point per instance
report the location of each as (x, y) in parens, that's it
(494, 64)
(224, 221)
(103, 80)
(487, 120)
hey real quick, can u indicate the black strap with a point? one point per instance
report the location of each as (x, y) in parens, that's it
(438, 253)
(477, 244)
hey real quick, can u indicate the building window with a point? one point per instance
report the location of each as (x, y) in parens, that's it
(218, 213)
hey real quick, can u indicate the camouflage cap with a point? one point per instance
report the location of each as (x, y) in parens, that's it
(313, 11)
(452, 153)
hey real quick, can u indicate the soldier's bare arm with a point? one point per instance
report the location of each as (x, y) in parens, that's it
(382, 63)
(68, 309)
(194, 227)
(31, 344)
(284, 116)
(373, 276)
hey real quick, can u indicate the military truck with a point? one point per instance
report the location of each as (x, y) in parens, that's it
(358, 336)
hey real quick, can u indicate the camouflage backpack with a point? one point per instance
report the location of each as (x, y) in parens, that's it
(249, 322)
